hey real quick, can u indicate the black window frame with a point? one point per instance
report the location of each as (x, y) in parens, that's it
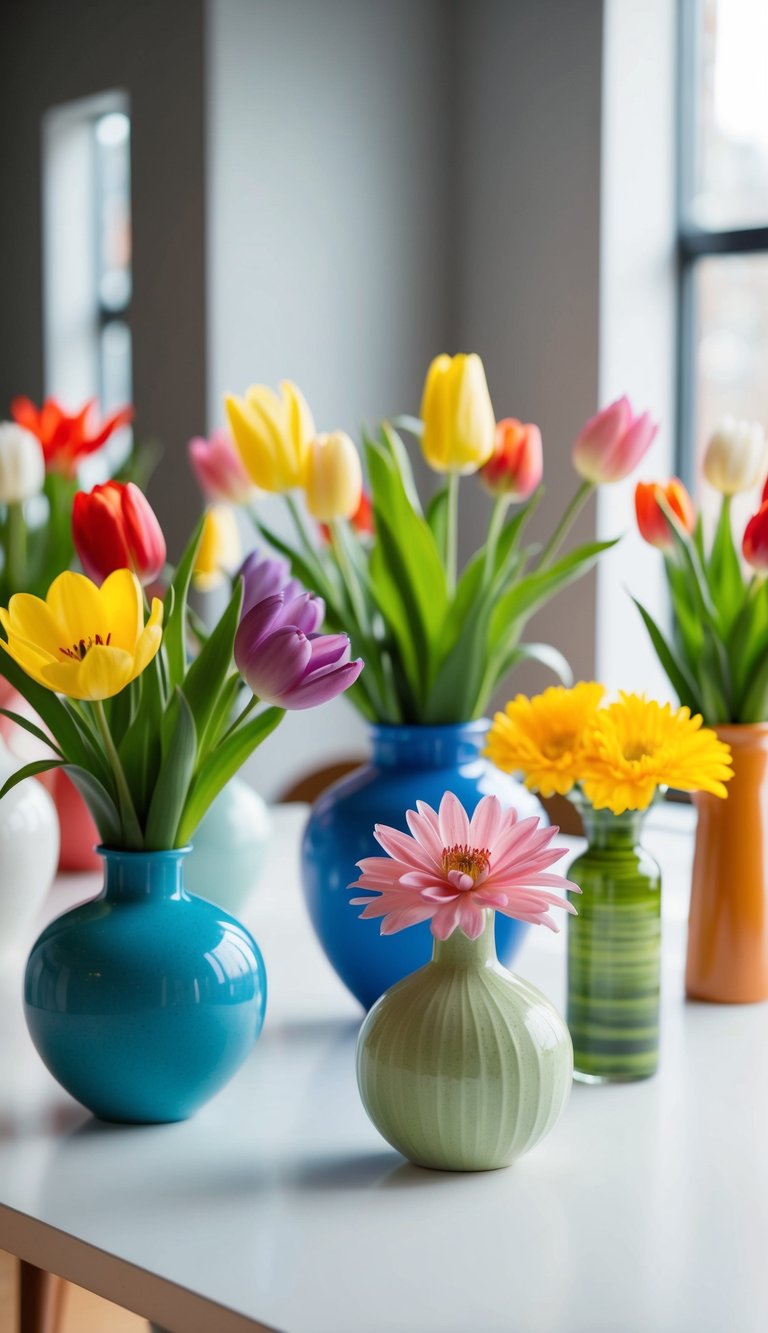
(694, 243)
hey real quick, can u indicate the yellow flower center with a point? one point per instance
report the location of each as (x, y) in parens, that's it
(78, 650)
(634, 753)
(472, 861)
(557, 746)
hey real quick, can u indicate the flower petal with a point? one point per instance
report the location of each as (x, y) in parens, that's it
(454, 824)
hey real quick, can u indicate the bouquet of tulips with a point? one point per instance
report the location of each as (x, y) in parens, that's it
(148, 736)
(40, 451)
(717, 656)
(437, 639)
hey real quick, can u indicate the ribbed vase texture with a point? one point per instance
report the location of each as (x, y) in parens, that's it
(463, 1066)
(614, 952)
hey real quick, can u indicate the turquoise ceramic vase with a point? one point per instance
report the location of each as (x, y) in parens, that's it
(408, 764)
(463, 1066)
(614, 952)
(145, 1001)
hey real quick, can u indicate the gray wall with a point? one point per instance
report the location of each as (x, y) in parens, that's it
(55, 52)
(527, 174)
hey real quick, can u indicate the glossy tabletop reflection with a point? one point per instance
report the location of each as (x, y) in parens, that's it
(279, 1206)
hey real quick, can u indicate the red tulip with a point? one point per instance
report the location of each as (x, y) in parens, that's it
(114, 527)
(652, 522)
(67, 437)
(515, 467)
(754, 544)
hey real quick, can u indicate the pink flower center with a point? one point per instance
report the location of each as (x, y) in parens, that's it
(471, 861)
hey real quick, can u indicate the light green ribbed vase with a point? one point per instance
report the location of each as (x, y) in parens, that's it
(463, 1066)
(614, 952)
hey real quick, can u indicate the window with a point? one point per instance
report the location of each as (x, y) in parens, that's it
(87, 259)
(723, 220)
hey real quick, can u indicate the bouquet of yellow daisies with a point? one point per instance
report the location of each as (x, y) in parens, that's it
(615, 756)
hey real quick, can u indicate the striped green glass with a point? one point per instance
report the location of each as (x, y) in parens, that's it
(614, 952)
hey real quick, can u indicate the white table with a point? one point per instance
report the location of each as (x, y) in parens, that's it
(280, 1207)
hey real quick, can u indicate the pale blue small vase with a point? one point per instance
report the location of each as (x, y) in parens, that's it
(145, 1001)
(228, 849)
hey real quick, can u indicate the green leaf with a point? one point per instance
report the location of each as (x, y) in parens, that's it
(29, 771)
(101, 805)
(437, 517)
(414, 573)
(546, 655)
(221, 765)
(755, 705)
(175, 631)
(173, 780)
(724, 576)
(33, 730)
(531, 591)
(208, 673)
(682, 682)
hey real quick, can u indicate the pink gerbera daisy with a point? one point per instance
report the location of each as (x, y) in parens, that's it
(452, 869)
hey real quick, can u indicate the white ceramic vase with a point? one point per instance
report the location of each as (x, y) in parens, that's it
(228, 848)
(29, 854)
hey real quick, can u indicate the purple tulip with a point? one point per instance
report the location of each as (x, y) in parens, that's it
(263, 576)
(284, 660)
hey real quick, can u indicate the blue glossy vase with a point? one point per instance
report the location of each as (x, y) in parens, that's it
(145, 1001)
(408, 764)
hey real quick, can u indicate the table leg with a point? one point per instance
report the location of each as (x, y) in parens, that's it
(41, 1300)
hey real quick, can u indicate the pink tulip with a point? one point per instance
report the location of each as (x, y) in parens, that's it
(612, 443)
(219, 469)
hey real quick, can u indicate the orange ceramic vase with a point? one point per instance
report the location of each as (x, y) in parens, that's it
(728, 922)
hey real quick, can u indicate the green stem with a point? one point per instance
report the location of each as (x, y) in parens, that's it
(129, 818)
(495, 526)
(301, 527)
(349, 577)
(16, 553)
(564, 526)
(242, 715)
(452, 531)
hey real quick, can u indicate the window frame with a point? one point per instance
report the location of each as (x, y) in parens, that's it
(694, 243)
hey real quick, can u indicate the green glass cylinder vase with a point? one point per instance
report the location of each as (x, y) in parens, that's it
(614, 952)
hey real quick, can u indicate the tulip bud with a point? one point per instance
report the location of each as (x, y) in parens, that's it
(22, 464)
(735, 457)
(459, 421)
(115, 527)
(652, 522)
(272, 434)
(516, 466)
(334, 477)
(612, 443)
(754, 545)
(219, 553)
(220, 470)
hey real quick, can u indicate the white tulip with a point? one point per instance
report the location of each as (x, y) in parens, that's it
(735, 458)
(22, 464)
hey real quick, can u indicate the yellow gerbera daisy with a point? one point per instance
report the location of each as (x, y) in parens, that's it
(83, 641)
(636, 745)
(543, 737)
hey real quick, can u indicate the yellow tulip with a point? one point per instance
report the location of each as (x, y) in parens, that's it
(83, 641)
(456, 408)
(219, 552)
(272, 434)
(334, 477)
